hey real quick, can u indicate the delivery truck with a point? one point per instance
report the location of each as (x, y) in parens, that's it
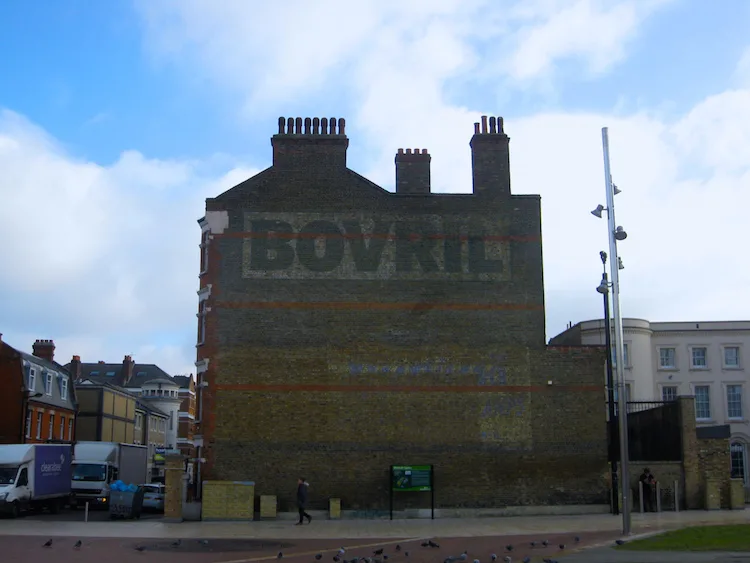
(96, 465)
(34, 476)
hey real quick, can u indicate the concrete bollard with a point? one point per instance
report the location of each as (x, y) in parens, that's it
(658, 497)
(676, 496)
(86, 512)
(640, 495)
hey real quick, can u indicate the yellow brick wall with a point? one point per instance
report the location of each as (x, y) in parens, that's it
(228, 500)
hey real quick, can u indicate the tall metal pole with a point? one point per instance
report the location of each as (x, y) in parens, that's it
(619, 349)
(610, 393)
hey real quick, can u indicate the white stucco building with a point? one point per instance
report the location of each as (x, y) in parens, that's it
(705, 359)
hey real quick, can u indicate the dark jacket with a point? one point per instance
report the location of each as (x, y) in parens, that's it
(302, 494)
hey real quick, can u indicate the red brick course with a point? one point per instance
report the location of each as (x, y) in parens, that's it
(94, 550)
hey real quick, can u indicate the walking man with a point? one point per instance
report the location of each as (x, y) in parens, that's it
(302, 501)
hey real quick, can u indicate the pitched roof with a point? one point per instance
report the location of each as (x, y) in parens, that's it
(113, 373)
(183, 381)
(55, 399)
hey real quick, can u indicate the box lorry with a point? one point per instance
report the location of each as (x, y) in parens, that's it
(34, 476)
(96, 465)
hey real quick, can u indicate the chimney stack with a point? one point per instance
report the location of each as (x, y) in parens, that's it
(75, 368)
(313, 146)
(413, 172)
(44, 349)
(127, 370)
(490, 158)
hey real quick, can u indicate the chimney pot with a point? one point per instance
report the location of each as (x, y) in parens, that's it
(490, 158)
(413, 172)
(310, 146)
(44, 349)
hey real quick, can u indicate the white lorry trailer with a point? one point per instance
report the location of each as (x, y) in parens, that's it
(96, 465)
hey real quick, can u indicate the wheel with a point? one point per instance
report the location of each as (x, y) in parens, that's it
(15, 512)
(54, 507)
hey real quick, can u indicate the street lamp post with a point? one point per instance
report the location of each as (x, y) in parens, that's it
(612, 429)
(617, 233)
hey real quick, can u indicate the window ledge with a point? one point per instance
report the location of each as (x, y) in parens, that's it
(705, 420)
(700, 368)
(673, 368)
(732, 368)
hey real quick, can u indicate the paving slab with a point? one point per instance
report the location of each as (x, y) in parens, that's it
(44, 525)
(610, 555)
(211, 550)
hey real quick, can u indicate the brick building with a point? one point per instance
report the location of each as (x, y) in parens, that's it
(343, 328)
(167, 397)
(38, 402)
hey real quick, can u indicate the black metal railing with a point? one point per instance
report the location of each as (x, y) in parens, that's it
(654, 432)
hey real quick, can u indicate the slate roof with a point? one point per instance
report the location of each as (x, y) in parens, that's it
(183, 381)
(113, 374)
(43, 367)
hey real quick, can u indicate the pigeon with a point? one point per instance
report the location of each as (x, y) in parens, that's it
(319, 556)
(336, 558)
(476, 560)
(78, 544)
(451, 559)
(432, 543)
(493, 557)
(406, 553)
(385, 558)
(177, 543)
(140, 548)
(48, 543)
(577, 539)
(280, 555)
(545, 543)
(509, 547)
(507, 559)
(203, 542)
(425, 544)
(378, 551)
(463, 556)
(619, 542)
(547, 560)
(527, 559)
(562, 546)
(533, 544)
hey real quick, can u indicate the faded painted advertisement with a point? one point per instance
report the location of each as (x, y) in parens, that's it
(360, 246)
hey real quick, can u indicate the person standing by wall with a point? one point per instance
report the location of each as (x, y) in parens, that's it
(649, 485)
(302, 486)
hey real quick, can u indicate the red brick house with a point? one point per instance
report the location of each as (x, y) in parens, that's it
(37, 396)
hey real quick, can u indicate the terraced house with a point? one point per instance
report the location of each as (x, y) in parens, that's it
(37, 396)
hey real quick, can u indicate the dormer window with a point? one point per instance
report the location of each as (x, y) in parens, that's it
(48, 384)
(64, 392)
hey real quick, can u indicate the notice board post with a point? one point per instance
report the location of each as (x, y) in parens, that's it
(412, 478)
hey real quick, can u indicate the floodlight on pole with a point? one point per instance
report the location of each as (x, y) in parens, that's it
(615, 234)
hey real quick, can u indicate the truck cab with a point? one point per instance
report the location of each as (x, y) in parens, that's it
(34, 476)
(96, 465)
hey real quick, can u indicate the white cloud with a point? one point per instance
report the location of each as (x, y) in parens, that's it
(682, 180)
(95, 250)
(112, 250)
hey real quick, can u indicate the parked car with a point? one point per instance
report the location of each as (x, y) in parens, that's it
(153, 497)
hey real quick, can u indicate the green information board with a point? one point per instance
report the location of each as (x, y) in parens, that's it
(411, 477)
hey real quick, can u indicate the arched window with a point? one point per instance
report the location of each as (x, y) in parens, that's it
(738, 455)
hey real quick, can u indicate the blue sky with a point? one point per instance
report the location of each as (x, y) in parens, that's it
(129, 113)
